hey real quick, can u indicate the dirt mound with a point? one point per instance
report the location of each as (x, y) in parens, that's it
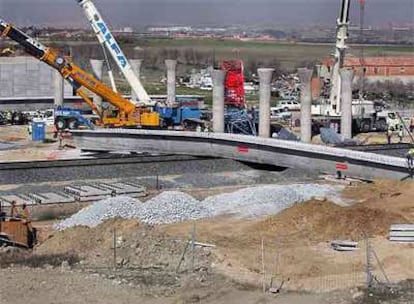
(86, 241)
(322, 221)
(137, 246)
(381, 204)
(384, 194)
(144, 256)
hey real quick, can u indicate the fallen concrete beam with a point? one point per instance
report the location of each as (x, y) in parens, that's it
(247, 148)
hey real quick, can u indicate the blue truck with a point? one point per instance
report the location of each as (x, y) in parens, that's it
(186, 112)
(69, 118)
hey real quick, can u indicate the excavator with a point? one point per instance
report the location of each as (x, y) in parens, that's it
(126, 113)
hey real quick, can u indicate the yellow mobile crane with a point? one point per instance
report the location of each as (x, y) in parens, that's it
(127, 114)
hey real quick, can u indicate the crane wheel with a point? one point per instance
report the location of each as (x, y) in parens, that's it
(365, 126)
(73, 124)
(61, 124)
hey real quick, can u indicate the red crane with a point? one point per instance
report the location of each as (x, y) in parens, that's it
(234, 95)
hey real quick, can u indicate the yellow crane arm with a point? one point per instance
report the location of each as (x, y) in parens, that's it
(128, 114)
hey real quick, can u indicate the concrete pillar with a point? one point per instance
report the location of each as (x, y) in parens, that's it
(97, 67)
(265, 78)
(58, 83)
(305, 76)
(171, 65)
(136, 68)
(347, 76)
(219, 77)
(318, 70)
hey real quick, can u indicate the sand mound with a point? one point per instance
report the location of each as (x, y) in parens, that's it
(324, 221)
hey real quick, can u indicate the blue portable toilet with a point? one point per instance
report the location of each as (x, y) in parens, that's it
(38, 131)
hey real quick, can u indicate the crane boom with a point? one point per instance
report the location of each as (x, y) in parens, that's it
(106, 38)
(128, 114)
(341, 37)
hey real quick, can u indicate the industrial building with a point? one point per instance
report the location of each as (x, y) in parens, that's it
(397, 68)
(27, 77)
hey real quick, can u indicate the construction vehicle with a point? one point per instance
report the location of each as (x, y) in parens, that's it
(107, 40)
(340, 48)
(367, 115)
(14, 231)
(124, 114)
(172, 115)
(69, 118)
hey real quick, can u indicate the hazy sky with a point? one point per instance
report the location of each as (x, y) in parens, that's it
(222, 12)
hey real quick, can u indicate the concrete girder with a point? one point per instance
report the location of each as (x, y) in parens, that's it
(247, 148)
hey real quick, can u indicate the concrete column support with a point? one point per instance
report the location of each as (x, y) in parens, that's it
(265, 78)
(305, 76)
(58, 83)
(171, 81)
(347, 76)
(136, 68)
(97, 67)
(219, 77)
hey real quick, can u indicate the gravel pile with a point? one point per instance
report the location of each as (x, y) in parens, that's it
(171, 207)
(91, 216)
(174, 206)
(264, 200)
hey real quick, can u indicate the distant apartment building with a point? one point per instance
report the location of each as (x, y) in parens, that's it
(390, 68)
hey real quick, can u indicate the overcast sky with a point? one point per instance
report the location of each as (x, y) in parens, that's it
(203, 12)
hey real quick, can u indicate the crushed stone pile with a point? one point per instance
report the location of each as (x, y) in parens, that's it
(170, 207)
(264, 200)
(174, 206)
(93, 215)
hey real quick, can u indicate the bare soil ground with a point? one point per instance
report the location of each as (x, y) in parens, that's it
(296, 253)
(20, 146)
(40, 286)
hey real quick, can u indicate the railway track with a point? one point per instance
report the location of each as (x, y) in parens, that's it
(111, 166)
(101, 159)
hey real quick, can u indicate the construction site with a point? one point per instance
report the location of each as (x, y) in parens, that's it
(300, 191)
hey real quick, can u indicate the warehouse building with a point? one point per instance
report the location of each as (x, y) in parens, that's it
(398, 68)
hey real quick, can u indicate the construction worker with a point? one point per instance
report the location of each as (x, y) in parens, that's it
(400, 133)
(29, 129)
(27, 218)
(410, 158)
(60, 137)
(390, 129)
(13, 210)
